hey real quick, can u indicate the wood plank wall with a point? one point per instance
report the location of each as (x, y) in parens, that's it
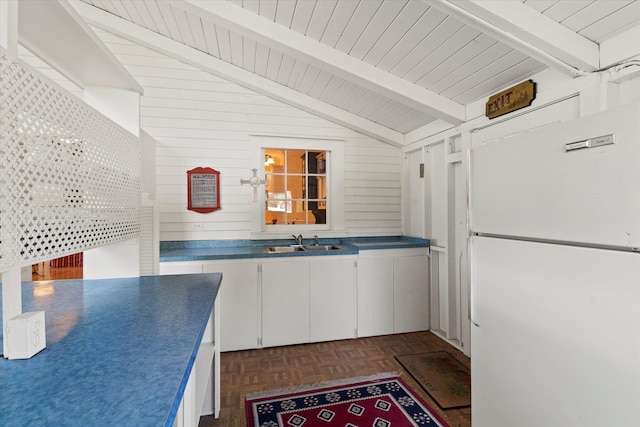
(199, 119)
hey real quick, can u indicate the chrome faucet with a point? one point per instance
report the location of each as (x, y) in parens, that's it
(298, 239)
(316, 239)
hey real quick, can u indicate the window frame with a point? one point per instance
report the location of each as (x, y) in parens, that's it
(335, 186)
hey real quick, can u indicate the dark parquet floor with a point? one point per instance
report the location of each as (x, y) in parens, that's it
(245, 372)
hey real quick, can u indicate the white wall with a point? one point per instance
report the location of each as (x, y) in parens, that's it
(201, 120)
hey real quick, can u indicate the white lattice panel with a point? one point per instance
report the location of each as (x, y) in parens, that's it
(69, 177)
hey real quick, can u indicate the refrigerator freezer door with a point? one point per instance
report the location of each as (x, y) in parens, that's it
(557, 340)
(530, 186)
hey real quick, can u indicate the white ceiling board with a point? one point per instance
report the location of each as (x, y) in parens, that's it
(297, 74)
(210, 38)
(376, 28)
(284, 12)
(273, 64)
(615, 23)
(430, 43)
(338, 23)
(474, 65)
(353, 97)
(472, 56)
(234, 74)
(320, 19)
(340, 94)
(197, 31)
(156, 16)
(169, 20)
(133, 13)
(183, 26)
(320, 84)
(448, 48)
(224, 43)
(373, 107)
(302, 48)
(540, 5)
(235, 47)
(262, 59)
(427, 23)
(268, 9)
(359, 21)
(309, 78)
(302, 16)
(252, 5)
(331, 89)
(286, 68)
(412, 121)
(518, 26)
(564, 9)
(397, 30)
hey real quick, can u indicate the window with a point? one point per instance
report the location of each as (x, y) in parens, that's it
(296, 189)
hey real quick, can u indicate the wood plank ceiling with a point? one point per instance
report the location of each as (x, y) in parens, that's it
(401, 64)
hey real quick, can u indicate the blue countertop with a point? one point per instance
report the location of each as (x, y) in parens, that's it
(119, 351)
(201, 250)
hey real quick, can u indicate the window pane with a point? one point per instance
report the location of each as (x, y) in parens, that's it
(295, 161)
(296, 192)
(276, 184)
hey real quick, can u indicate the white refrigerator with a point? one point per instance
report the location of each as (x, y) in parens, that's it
(555, 275)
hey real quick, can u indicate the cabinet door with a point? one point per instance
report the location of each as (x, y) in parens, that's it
(375, 296)
(285, 302)
(239, 306)
(411, 294)
(332, 299)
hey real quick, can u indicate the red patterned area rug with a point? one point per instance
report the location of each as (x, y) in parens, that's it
(382, 400)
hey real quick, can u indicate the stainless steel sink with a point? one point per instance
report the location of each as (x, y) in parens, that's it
(322, 248)
(302, 248)
(290, 248)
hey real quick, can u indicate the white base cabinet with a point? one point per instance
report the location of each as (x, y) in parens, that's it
(393, 291)
(332, 298)
(285, 302)
(240, 303)
(410, 293)
(375, 295)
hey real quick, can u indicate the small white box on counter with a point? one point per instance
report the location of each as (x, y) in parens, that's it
(26, 335)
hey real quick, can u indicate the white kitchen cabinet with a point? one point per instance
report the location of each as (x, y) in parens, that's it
(285, 302)
(393, 291)
(375, 293)
(240, 306)
(332, 298)
(410, 293)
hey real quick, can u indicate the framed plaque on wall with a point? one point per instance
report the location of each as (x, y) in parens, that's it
(203, 185)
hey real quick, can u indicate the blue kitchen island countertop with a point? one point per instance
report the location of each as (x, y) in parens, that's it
(119, 351)
(201, 250)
